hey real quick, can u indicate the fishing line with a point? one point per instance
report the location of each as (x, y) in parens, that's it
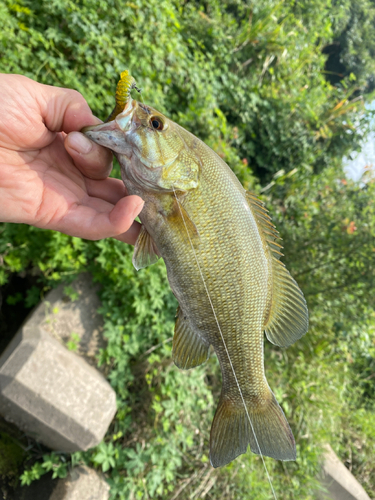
(140, 95)
(225, 346)
(214, 313)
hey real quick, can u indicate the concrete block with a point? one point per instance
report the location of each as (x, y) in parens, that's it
(82, 483)
(338, 480)
(52, 394)
(63, 318)
(37, 490)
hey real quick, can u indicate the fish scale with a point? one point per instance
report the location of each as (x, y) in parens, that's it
(223, 265)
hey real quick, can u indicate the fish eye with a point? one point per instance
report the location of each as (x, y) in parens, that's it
(156, 123)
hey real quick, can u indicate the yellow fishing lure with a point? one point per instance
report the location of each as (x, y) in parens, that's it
(124, 86)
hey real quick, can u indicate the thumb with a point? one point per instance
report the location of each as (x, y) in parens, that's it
(64, 110)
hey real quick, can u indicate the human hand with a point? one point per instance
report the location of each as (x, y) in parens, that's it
(52, 176)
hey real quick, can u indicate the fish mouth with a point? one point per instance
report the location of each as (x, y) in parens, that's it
(112, 134)
(108, 135)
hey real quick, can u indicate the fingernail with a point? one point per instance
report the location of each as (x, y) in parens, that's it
(80, 143)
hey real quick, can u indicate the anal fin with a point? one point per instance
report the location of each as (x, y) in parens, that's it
(145, 251)
(189, 349)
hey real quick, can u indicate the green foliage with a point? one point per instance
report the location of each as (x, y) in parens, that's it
(73, 342)
(54, 463)
(328, 225)
(11, 457)
(70, 293)
(32, 297)
(353, 47)
(33, 474)
(250, 80)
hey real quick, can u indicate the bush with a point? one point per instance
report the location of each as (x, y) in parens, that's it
(250, 81)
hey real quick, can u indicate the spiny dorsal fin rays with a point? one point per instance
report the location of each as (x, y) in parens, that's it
(265, 225)
(287, 319)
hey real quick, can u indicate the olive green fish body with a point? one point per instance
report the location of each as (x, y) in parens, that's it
(235, 270)
(222, 260)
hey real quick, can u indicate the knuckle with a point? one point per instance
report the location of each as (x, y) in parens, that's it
(76, 96)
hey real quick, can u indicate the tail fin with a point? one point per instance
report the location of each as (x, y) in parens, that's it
(231, 432)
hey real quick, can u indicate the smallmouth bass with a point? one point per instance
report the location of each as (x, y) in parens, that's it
(223, 264)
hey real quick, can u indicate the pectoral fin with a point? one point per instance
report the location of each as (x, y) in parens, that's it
(145, 251)
(189, 349)
(184, 224)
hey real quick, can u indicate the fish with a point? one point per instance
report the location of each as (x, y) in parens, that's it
(222, 255)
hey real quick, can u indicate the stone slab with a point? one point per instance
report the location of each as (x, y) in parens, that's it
(82, 483)
(52, 394)
(64, 317)
(37, 490)
(339, 481)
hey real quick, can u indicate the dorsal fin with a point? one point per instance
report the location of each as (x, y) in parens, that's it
(264, 222)
(287, 318)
